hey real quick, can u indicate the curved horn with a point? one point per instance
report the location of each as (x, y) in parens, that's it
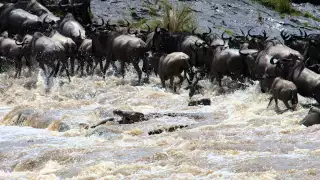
(194, 31)
(149, 29)
(205, 34)
(301, 33)
(128, 24)
(196, 43)
(44, 19)
(19, 43)
(249, 32)
(224, 38)
(305, 34)
(264, 34)
(284, 35)
(62, 6)
(242, 32)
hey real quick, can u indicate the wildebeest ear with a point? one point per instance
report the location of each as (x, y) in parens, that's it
(248, 51)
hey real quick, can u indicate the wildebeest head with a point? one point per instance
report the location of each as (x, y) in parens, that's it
(257, 41)
(286, 67)
(160, 37)
(296, 42)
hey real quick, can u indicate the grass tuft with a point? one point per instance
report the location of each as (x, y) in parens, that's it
(177, 17)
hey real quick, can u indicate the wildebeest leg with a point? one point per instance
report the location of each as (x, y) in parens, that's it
(287, 104)
(270, 101)
(123, 68)
(180, 78)
(65, 67)
(163, 81)
(137, 68)
(43, 68)
(106, 66)
(57, 69)
(277, 106)
(171, 81)
(72, 59)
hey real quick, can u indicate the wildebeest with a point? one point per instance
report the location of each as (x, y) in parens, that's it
(49, 52)
(227, 61)
(170, 65)
(116, 46)
(85, 55)
(81, 9)
(19, 21)
(11, 52)
(285, 91)
(312, 118)
(31, 6)
(69, 27)
(197, 49)
(307, 81)
(307, 45)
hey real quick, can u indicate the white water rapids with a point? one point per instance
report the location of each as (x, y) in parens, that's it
(237, 137)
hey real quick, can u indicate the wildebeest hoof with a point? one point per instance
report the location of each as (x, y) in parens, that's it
(205, 102)
(146, 80)
(129, 117)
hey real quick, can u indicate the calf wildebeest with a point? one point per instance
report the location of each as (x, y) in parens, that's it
(170, 65)
(312, 118)
(285, 91)
(11, 52)
(307, 81)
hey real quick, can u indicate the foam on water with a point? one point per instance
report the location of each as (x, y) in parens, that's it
(236, 137)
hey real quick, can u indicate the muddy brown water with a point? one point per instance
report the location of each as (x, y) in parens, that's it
(42, 134)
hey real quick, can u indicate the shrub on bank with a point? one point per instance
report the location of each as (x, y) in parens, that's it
(178, 17)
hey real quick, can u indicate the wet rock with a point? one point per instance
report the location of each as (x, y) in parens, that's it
(168, 129)
(31, 84)
(17, 116)
(104, 131)
(102, 122)
(59, 126)
(205, 102)
(129, 117)
(312, 118)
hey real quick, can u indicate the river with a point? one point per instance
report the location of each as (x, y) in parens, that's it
(237, 137)
(43, 134)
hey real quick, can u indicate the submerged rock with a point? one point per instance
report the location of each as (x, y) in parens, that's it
(167, 129)
(205, 102)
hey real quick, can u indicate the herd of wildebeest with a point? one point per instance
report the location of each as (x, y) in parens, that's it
(33, 36)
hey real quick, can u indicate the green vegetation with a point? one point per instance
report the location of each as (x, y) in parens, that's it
(177, 17)
(285, 7)
(228, 31)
